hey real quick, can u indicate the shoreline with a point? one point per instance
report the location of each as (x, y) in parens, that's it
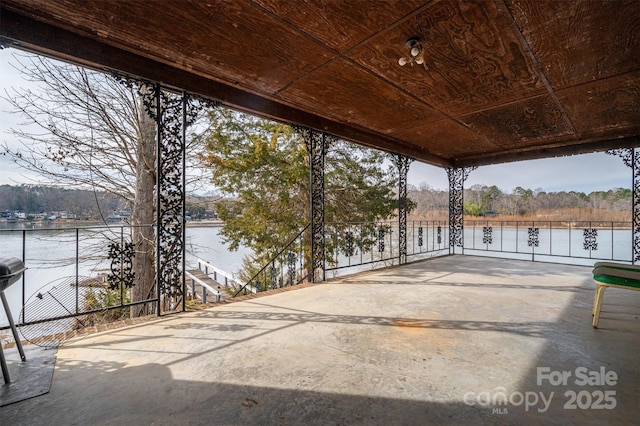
(20, 225)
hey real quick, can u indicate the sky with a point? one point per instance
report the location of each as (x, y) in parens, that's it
(582, 173)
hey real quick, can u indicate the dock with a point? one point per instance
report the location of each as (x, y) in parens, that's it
(209, 281)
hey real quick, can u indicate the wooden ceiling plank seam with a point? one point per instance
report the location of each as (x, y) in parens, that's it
(354, 63)
(609, 77)
(299, 30)
(418, 125)
(504, 112)
(412, 96)
(535, 61)
(506, 104)
(367, 70)
(416, 98)
(344, 55)
(595, 90)
(581, 41)
(94, 28)
(448, 116)
(389, 27)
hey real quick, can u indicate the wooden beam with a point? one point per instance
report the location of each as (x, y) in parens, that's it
(538, 152)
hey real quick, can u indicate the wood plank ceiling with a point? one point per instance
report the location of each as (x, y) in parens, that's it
(503, 80)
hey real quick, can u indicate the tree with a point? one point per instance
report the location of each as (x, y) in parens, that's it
(489, 196)
(430, 203)
(265, 166)
(471, 209)
(86, 129)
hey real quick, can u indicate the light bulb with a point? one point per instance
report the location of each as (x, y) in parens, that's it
(402, 61)
(420, 60)
(414, 51)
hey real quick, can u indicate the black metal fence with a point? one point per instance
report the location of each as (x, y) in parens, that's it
(354, 246)
(82, 276)
(76, 277)
(576, 242)
(290, 266)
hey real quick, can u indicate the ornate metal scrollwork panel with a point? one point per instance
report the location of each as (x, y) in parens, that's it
(121, 275)
(172, 112)
(291, 267)
(170, 190)
(457, 176)
(317, 145)
(420, 236)
(177, 112)
(349, 249)
(402, 163)
(534, 237)
(631, 159)
(381, 242)
(590, 239)
(487, 235)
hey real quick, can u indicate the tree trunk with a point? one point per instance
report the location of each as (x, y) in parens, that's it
(143, 215)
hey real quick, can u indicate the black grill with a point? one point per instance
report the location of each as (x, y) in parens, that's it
(11, 270)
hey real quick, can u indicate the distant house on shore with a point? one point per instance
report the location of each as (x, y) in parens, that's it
(121, 216)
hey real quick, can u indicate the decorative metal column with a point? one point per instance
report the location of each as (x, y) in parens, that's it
(402, 163)
(631, 158)
(456, 176)
(170, 114)
(173, 112)
(317, 145)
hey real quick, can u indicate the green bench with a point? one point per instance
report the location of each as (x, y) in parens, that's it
(610, 274)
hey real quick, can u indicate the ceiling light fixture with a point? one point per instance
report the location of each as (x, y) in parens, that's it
(416, 54)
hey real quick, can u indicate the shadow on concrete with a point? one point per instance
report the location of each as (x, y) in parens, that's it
(119, 393)
(148, 394)
(531, 328)
(572, 347)
(586, 356)
(30, 378)
(436, 282)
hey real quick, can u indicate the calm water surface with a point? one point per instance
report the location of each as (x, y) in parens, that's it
(50, 255)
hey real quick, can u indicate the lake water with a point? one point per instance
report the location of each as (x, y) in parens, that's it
(552, 242)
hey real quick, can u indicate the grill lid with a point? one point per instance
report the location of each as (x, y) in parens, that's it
(11, 269)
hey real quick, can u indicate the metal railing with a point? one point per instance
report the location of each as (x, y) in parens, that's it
(206, 288)
(577, 242)
(288, 267)
(356, 245)
(70, 269)
(76, 277)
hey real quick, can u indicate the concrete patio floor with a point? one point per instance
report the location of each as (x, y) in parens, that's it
(443, 341)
